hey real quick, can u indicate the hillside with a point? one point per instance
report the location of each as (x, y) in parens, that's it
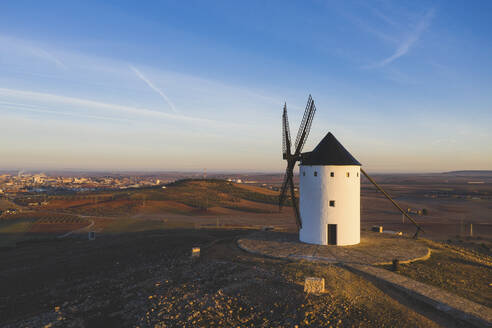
(187, 196)
(6, 204)
(471, 173)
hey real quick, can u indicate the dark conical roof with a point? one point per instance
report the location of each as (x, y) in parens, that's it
(329, 152)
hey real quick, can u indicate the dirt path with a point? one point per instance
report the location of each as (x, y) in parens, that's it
(90, 225)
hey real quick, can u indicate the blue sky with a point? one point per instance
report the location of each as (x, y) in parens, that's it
(169, 85)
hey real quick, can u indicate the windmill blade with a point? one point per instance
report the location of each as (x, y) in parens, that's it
(419, 228)
(294, 203)
(305, 126)
(283, 190)
(285, 134)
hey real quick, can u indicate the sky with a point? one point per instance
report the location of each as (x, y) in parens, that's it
(405, 86)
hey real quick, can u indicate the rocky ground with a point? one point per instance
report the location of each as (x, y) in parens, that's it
(148, 279)
(461, 271)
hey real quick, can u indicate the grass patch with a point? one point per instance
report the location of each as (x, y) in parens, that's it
(137, 225)
(247, 209)
(13, 231)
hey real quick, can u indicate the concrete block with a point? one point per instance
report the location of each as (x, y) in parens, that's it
(195, 252)
(314, 285)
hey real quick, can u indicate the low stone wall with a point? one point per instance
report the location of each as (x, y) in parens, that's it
(375, 248)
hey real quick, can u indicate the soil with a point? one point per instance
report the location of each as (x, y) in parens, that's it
(148, 279)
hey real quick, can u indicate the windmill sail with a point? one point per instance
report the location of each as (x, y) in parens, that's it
(285, 133)
(305, 126)
(291, 159)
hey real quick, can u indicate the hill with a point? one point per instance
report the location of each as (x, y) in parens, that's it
(471, 173)
(188, 196)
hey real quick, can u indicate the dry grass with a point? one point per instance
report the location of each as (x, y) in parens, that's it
(192, 197)
(258, 189)
(460, 272)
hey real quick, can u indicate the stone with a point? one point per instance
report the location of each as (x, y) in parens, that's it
(396, 265)
(314, 285)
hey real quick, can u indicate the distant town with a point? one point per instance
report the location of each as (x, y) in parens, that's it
(14, 183)
(41, 182)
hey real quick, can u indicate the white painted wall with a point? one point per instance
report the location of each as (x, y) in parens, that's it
(315, 195)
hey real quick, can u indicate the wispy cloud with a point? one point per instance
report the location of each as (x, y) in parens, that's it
(153, 87)
(31, 49)
(41, 53)
(40, 109)
(407, 43)
(31, 96)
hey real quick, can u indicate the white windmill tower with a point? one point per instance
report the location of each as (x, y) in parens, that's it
(329, 195)
(329, 187)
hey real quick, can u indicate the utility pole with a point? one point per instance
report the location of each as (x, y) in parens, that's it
(206, 189)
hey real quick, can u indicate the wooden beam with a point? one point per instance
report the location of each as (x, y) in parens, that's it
(419, 228)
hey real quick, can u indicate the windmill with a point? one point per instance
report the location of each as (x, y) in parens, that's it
(292, 158)
(330, 178)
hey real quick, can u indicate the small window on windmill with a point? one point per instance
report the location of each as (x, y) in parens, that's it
(332, 174)
(348, 174)
(332, 203)
(304, 173)
(357, 174)
(315, 173)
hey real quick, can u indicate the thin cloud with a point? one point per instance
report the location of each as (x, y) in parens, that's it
(153, 87)
(29, 48)
(46, 97)
(405, 46)
(39, 109)
(41, 53)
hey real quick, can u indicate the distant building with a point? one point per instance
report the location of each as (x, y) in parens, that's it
(11, 211)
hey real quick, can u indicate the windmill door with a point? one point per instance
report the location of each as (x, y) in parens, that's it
(332, 234)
